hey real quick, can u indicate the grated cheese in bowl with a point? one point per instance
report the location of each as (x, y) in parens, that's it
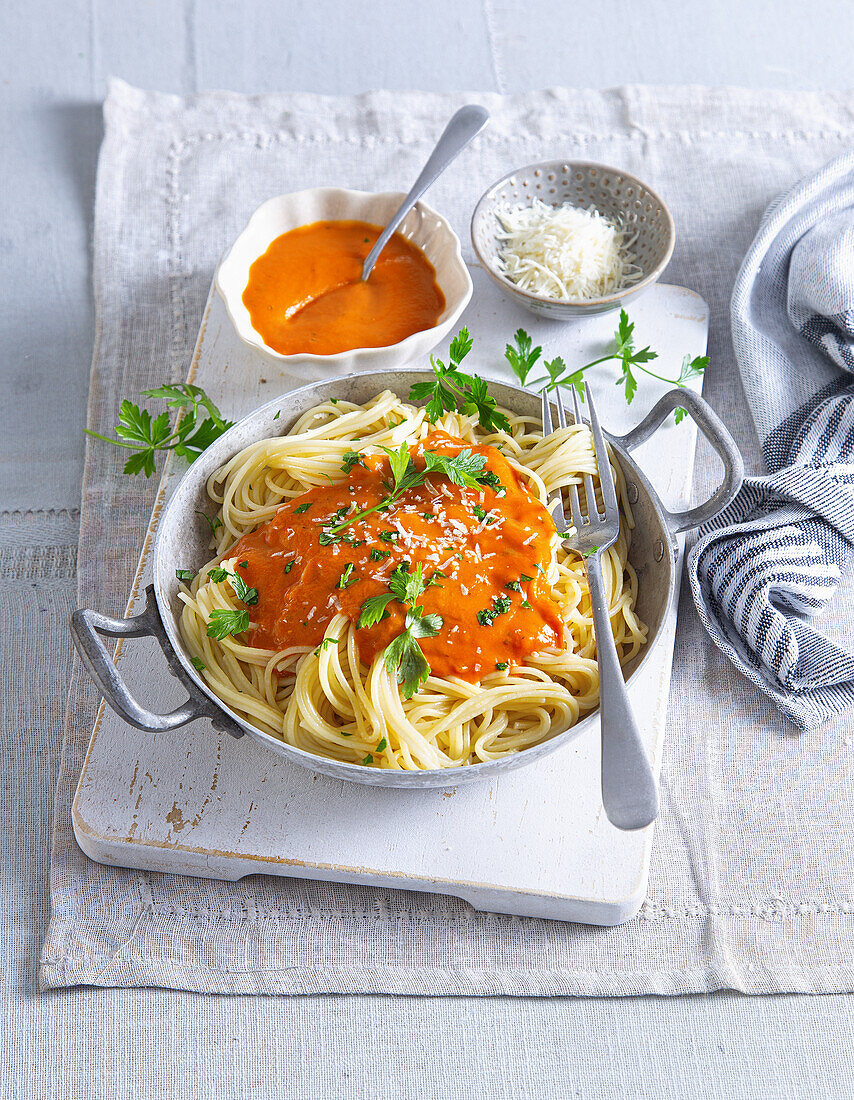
(566, 252)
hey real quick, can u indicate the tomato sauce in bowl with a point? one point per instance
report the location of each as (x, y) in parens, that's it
(305, 294)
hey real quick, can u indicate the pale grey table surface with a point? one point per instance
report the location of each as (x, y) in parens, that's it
(150, 1043)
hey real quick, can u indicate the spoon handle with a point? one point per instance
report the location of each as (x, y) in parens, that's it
(463, 128)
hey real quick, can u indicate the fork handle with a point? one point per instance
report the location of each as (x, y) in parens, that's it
(629, 790)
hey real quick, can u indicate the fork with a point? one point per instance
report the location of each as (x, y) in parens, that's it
(629, 792)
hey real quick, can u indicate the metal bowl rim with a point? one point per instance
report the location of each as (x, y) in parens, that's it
(425, 777)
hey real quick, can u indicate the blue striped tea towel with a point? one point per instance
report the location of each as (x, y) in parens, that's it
(776, 554)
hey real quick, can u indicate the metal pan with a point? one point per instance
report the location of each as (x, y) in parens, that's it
(183, 540)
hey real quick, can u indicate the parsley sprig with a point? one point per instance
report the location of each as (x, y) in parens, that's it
(199, 424)
(453, 390)
(462, 469)
(522, 356)
(403, 655)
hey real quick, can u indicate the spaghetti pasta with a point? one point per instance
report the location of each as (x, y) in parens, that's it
(325, 683)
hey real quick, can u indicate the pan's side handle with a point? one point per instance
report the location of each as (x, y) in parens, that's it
(87, 627)
(713, 428)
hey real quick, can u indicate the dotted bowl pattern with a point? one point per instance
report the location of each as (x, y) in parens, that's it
(616, 194)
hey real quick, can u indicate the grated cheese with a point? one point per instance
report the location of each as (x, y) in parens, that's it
(565, 252)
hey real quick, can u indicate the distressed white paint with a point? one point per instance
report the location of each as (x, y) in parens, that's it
(534, 842)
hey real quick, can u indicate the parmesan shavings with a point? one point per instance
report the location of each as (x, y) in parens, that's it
(565, 252)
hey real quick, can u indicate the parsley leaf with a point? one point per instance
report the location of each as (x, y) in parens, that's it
(373, 610)
(222, 623)
(522, 357)
(144, 435)
(185, 575)
(403, 655)
(217, 574)
(406, 587)
(462, 469)
(198, 664)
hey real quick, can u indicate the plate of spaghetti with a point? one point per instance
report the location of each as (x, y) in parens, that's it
(374, 588)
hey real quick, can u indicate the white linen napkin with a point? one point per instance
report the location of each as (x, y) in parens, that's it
(750, 885)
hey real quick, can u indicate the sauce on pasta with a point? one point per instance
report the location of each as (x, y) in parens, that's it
(481, 550)
(306, 294)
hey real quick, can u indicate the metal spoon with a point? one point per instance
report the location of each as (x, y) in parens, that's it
(462, 129)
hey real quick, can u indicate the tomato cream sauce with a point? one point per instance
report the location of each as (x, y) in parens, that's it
(306, 294)
(490, 543)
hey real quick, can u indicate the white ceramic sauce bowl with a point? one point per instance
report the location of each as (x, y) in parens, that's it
(423, 226)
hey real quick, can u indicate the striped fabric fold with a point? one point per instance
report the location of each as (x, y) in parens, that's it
(776, 555)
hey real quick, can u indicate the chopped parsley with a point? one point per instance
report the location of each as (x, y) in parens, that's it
(243, 564)
(185, 575)
(378, 555)
(243, 591)
(197, 664)
(324, 644)
(241, 588)
(278, 414)
(389, 536)
(289, 567)
(500, 606)
(526, 605)
(214, 523)
(525, 578)
(368, 759)
(493, 481)
(351, 459)
(303, 507)
(514, 586)
(346, 578)
(480, 513)
(382, 745)
(502, 666)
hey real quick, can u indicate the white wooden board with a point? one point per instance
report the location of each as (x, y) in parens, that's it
(534, 842)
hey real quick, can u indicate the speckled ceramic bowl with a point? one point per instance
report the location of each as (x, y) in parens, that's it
(423, 226)
(616, 194)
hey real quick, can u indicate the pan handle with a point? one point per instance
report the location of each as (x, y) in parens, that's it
(713, 428)
(86, 628)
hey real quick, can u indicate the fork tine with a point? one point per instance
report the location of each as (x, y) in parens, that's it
(561, 412)
(590, 494)
(606, 476)
(547, 414)
(576, 410)
(575, 507)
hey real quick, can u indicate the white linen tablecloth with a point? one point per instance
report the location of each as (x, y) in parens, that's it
(751, 879)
